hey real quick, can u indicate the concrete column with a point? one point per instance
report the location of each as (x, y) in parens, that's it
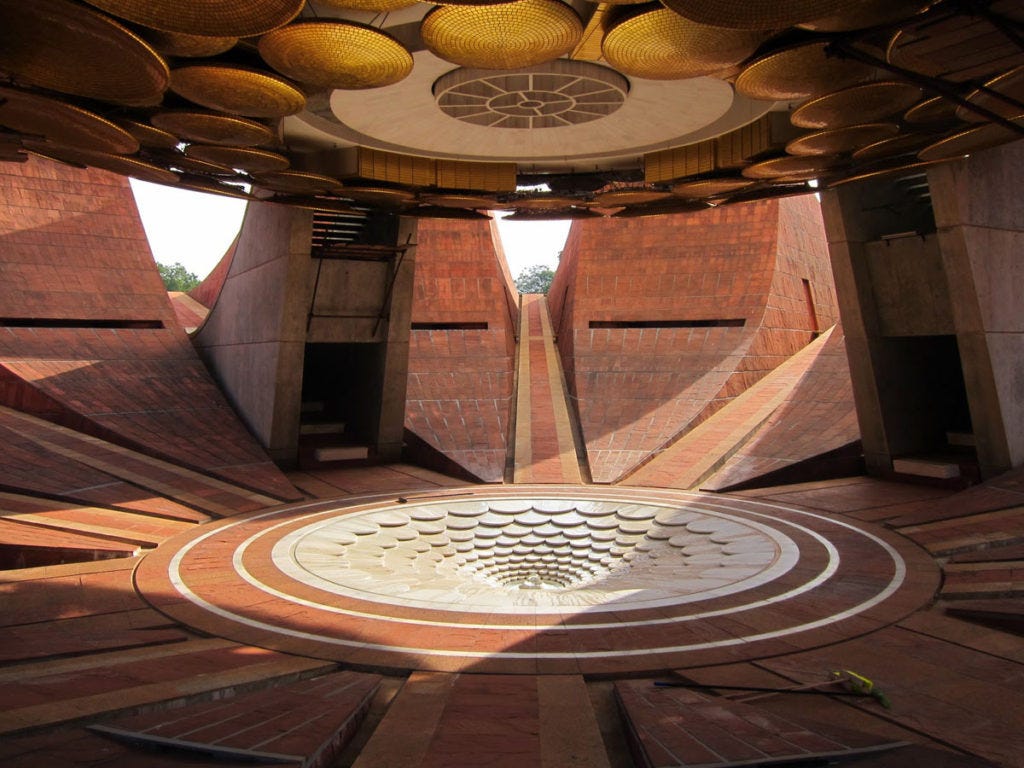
(391, 426)
(979, 212)
(849, 231)
(254, 339)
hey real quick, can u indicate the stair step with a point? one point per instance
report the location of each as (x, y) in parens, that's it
(323, 428)
(342, 453)
(940, 470)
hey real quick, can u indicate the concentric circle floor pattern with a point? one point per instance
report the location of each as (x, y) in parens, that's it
(535, 579)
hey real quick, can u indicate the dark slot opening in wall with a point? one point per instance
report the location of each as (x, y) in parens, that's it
(449, 326)
(64, 322)
(727, 323)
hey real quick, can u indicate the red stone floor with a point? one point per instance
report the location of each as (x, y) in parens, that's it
(88, 643)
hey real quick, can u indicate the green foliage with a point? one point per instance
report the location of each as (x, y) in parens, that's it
(535, 279)
(177, 278)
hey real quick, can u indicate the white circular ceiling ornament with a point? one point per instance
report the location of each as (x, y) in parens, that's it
(654, 115)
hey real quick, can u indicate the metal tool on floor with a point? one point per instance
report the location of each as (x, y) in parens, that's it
(852, 684)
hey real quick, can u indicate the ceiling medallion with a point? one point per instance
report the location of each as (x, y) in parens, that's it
(559, 93)
(506, 36)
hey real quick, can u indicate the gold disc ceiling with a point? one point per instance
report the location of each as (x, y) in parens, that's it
(209, 128)
(237, 90)
(189, 46)
(1009, 85)
(867, 13)
(336, 55)
(37, 116)
(72, 49)
(757, 14)
(508, 36)
(298, 183)
(126, 166)
(837, 141)
(662, 45)
(799, 72)
(246, 159)
(147, 135)
(228, 18)
(369, 5)
(859, 104)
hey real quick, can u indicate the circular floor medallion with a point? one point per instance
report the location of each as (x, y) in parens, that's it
(558, 578)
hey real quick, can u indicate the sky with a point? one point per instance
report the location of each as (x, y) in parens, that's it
(195, 229)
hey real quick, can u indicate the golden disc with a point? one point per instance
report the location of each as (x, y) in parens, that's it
(507, 36)
(180, 163)
(662, 45)
(377, 195)
(369, 5)
(792, 168)
(701, 188)
(756, 14)
(934, 111)
(472, 202)
(903, 144)
(960, 48)
(237, 90)
(1010, 85)
(252, 161)
(66, 47)
(863, 103)
(227, 18)
(972, 140)
(209, 128)
(147, 135)
(331, 54)
(125, 166)
(866, 13)
(298, 183)
(798, 72)
(616, 197)
(189, 46)
(837, 141)
(40, 117)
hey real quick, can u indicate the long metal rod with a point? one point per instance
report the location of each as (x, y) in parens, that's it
(843, 49)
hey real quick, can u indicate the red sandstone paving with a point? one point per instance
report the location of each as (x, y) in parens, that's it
(943, 690)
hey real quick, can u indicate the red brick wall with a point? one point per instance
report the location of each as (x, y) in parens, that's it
(636, 389)
(460, 381)
(72, 248)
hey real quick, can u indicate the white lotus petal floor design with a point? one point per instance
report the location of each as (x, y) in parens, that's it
(538, 579)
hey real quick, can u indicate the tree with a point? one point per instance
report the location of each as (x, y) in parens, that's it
(176, 277)
(535, 279)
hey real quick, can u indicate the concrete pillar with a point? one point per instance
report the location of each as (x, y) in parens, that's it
(254, 339)
(979, 213)
(395, 376)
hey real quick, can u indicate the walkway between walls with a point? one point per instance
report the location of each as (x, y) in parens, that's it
(545, 450)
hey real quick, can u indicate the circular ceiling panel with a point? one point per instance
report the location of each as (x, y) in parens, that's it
(227, 18)
(336, 55)
(505, 36)
(72, 49)
(662, 45)
(37, 116)
(758, 14)
(798, 72)
(237, 90)
(209, 128)
(858, 104)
